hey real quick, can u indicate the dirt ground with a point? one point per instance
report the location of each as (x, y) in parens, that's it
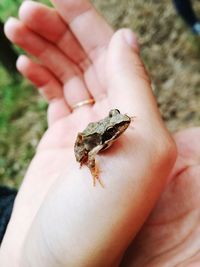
(170, 51)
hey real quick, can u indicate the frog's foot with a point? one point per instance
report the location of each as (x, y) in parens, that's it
(95, 174)
(99, 180)
(94, 168)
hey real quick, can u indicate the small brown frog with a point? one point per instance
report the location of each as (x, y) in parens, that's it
(99, 136)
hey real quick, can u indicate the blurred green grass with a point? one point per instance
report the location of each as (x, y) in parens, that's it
(22, 116)
(8, 8)
(22, 122)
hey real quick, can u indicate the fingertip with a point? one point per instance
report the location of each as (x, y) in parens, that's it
(126, 36)
(23, 9)
(22, 62)
(26, 9)
(124, 53)
(131, 39)
(14, 30)
(124, 56)
(31, 70)
(9, 26)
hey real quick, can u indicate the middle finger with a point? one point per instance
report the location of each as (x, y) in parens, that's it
(46, 22)
(66, 71)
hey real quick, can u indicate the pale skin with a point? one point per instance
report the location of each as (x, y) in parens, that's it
(60, 218)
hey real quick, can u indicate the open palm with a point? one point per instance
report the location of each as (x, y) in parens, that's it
(79, 59)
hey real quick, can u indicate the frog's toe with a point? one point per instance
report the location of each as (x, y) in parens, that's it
(97, 179)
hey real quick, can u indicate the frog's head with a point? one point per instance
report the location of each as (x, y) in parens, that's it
(117, 125)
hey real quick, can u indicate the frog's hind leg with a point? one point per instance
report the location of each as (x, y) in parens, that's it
(94, 170)
(83, 161)
(95, 174)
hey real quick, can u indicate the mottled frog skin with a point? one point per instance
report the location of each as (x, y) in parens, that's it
(99, 136)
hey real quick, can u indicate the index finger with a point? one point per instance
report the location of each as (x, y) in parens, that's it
(88, 26)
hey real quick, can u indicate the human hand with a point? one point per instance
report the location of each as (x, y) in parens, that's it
(170, 236)
(57, 204)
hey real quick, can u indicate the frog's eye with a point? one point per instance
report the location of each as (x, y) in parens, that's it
(114, 112)
(109, 134)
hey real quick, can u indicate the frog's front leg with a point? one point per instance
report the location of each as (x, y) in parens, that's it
(91, 163)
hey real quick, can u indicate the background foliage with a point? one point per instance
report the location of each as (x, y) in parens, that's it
(8, 8)
(22, 116)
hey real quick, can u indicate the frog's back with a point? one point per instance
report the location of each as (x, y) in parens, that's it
(96, 127)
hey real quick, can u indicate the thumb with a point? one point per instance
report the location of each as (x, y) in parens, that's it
(127, 81)
(124, 54)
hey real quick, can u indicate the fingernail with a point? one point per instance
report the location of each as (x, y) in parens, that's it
(131, 39)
